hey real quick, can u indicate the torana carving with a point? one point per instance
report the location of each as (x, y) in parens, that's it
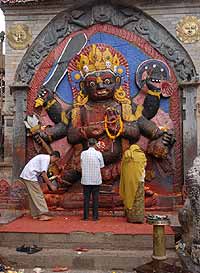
(131, 19)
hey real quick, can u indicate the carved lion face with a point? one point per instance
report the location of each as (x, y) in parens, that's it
(19, 36)
(102, 13)
(188, 29)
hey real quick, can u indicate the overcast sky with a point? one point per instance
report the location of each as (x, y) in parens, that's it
(2, 22)
(2, 26)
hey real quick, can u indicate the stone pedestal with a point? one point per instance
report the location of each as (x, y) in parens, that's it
(198, 118)
(191, 122)
(159, 242)
(19, 91)
(8, 113)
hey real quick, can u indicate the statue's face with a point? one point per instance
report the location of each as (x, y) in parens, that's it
(190, 29)
(102, 13)
(101, 85)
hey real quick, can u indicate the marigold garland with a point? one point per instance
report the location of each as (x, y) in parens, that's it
(113, 137)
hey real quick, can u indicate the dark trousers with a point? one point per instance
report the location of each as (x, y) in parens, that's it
(87, 191)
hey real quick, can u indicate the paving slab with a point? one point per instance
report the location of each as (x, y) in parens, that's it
(50, 270)
(8, 216)
(93, 259)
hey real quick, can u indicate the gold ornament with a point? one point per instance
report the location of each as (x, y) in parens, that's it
(120, 95)
(19, 36)
(127, 112)
(39, 102)
(188, 29)
(64, 118)
(154, 93)
(76, 113)
(96, 60)
(81, 99)
(118, 119)
(49, 104)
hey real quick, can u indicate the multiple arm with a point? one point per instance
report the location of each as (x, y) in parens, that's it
(131, 130)
(56, 114)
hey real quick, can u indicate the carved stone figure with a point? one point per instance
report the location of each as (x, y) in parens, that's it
(157, 70)
(103, 110)
(190, 219)
(185, 219)
(19, 36)
(188, 29)
(193, 189)
(131, 19)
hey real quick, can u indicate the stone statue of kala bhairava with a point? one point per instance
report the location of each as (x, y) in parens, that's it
(103, 109)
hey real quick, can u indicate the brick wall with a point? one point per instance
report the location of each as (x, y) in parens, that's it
(12, 196)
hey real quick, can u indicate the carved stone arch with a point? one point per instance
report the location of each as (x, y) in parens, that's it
(131, 19)
(148, 33)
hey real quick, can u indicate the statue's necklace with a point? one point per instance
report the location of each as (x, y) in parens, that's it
(113, 137)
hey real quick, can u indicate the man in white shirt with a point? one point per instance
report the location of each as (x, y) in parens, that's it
(91, 164)
(36, 167)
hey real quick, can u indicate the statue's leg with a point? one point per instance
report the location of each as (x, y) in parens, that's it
(71, 176)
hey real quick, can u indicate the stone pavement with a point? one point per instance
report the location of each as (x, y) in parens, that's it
(107, 252)
(115, 260)
(79, 271)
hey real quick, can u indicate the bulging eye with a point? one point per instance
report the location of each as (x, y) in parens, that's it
(92, 84)
(107, 81)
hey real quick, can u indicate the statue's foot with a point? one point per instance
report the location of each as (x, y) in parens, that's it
(148, 192)
(151, 201)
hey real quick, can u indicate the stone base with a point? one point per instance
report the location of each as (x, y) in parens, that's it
(74, 200)
(93, 259)
(159, 267)
(14, 197)
(8, 216)
(188, 264)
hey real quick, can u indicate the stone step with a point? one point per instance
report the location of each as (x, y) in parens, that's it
(52, 270)
(94, 259)
(103, 240)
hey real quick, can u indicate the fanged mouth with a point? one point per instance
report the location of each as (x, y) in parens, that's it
(102, 92)
(155, 80)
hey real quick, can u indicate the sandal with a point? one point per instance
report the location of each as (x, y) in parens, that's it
(33, 249)
(23, 248)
